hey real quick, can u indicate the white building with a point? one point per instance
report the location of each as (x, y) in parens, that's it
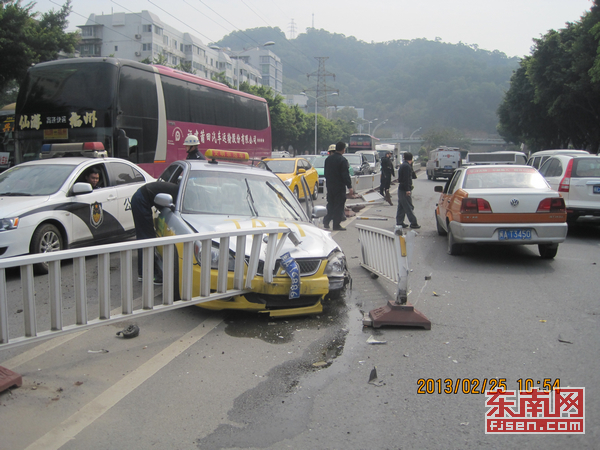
(143, 36)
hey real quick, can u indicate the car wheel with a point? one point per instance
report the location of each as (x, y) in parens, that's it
(572, 218)
(454, 248)
(548, 251)
(440, 229)
(315, 194)
(45, 239)
(434, 177)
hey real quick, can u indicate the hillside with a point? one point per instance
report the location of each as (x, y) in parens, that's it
(412, 84)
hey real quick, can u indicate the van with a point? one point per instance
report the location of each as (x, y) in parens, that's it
(538, 158)
(496, 158)
(373, 158)
(443, 161)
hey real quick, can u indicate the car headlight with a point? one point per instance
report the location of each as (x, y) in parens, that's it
(214, 257)
(336, 264)
(9, 224)
(288, 182)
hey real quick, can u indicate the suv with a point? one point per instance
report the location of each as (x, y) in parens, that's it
(373, 158)
(538, 158)
(577, 178)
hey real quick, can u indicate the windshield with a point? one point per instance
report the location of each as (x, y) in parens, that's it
(40, 179)
(282, 165)
(370, 157)
(239, 195)
(354, 159)
(492, 178)
(319, 162)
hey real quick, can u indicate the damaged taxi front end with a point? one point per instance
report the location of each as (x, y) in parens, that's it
(231, 197)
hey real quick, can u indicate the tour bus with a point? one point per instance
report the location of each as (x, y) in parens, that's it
(360, 142)
(140, 112)
(7, 141)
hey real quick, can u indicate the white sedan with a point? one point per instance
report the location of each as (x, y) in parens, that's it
(47, 205)
(500, 204)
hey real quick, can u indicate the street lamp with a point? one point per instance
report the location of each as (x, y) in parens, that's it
(237, 59)
(378, 125)
(316, 104)
(370, 122)
(411, 134)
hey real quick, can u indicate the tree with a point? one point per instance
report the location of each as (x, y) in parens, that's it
(25, 40)
(445, 136)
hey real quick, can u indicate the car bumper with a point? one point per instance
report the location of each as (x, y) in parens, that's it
(15, 242)
(487, 233)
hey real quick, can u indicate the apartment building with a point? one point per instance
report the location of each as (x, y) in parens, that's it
(145, 37)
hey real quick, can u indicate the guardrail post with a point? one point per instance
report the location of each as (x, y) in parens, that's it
(387, 254)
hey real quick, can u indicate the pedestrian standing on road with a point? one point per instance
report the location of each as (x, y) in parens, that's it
(405, 204)
(191, 144)
(141, 209)
(337, 179)
(387, 172)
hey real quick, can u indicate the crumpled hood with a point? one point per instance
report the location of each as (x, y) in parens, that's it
(17, 206)
(314, 242)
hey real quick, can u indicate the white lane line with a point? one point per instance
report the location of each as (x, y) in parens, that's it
(85, 416)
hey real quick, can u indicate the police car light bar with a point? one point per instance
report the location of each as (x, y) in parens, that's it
(86, 149)
(212, 155)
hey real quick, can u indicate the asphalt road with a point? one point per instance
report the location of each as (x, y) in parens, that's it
(196, 379)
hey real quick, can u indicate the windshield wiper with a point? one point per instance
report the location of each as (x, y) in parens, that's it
(14, 194)
(250, 199)
(287, 204)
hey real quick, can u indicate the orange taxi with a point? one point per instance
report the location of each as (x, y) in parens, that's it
(290, 171)
(500, 204)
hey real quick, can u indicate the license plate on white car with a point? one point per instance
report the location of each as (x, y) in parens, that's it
(597, 189)
(518, 234)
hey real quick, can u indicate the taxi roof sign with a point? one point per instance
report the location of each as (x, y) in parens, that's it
(86, 149)
(212, 155)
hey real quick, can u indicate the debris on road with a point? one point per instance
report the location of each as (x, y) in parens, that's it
(130, 332)
(374, 341)
(564, 341)
(98, 351)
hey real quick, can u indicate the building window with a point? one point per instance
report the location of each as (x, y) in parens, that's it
(174, 44)
(147, 47)
(147, 28)
(158, 31)
(166, 40)
(87, 31)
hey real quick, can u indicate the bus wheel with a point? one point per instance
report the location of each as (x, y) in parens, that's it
(45, 239)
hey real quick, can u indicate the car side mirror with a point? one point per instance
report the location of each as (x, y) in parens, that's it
(319, 211)
(82, 188)
(301, 171)
(164, 201)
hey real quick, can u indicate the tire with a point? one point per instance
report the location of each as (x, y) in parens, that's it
(454, 248)
(440, 229)
(548, 251)
(45, 239)
(315, 194)
(434, 177)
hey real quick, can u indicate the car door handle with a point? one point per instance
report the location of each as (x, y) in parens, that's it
(111, 198)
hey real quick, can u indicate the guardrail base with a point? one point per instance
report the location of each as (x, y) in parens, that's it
(397, 315)
(8, 378)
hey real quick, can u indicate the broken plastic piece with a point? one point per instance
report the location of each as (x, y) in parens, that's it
(372, 340)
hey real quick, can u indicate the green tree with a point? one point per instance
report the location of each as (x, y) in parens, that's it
(26, 40)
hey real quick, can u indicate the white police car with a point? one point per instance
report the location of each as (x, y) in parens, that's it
(47, 205)
(228, 197)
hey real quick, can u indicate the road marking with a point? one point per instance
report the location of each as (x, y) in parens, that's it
(85, 416)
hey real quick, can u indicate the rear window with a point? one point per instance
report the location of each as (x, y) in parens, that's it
(586, 167)
(491, 178)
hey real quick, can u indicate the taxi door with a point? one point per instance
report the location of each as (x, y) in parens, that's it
(445, 201)
(95, 214)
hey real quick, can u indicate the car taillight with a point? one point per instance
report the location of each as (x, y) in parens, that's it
(565, 183)
(552, 205)
(475, 205)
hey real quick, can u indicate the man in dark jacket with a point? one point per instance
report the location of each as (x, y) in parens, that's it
(337, 178)
(387, 172)
(405, 205)
(141, 209)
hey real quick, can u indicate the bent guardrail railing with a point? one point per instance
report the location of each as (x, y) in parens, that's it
(242, 279)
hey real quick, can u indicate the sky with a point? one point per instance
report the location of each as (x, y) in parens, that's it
(505, 25)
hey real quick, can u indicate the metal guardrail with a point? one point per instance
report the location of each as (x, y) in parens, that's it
(242, 279)
(386, 254)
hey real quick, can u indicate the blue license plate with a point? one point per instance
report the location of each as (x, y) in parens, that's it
(597, 189)
(512, 235)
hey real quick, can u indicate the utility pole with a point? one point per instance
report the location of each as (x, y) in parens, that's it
(292, 30)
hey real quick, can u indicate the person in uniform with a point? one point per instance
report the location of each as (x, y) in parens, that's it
(405, 205)
(141, 209)
(387, 172)
(337, 179)
(191, 144)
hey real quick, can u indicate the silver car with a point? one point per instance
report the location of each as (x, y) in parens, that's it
(229, 196)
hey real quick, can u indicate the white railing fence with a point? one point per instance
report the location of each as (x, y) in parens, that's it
(60, 318)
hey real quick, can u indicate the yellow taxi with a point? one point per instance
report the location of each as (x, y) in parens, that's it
(291, 170)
